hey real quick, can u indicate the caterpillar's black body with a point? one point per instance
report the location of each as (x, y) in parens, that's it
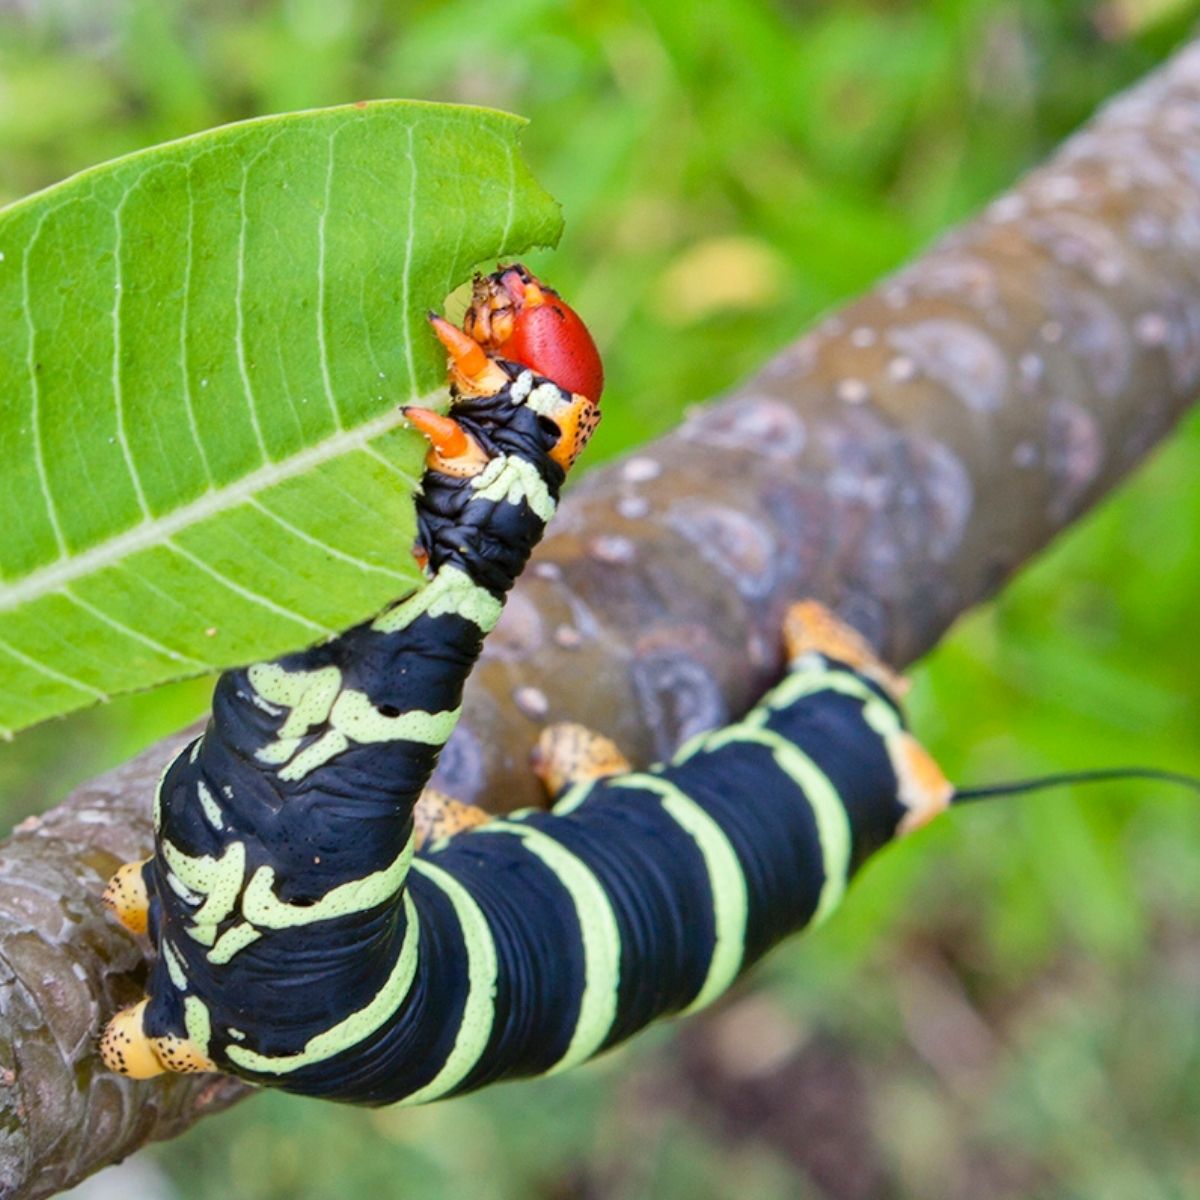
(300, 942)
(537, 941)
(303, 785)
(642, 894)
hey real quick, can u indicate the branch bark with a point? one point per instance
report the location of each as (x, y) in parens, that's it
(899, 462)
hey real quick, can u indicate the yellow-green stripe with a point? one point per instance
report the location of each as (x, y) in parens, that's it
(833, 824)
(479, 1010)
(573, 797)
(600, 934)
(357, 1026)
(727, 882)
(261, 905)
(880, 715)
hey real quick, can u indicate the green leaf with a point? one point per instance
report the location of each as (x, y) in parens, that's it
(203, 347)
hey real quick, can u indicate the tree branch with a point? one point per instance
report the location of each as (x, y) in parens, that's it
(899, 463)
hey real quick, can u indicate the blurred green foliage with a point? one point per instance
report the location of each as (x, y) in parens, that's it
(1006, 1005)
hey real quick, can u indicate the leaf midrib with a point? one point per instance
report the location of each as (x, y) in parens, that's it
(55, 576)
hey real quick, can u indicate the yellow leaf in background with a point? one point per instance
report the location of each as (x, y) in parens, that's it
(725, 274)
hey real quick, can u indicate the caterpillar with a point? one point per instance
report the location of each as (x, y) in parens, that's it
(284, 834)
(326, 924)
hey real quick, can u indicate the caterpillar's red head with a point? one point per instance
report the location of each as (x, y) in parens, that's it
(514, 316)
(503, 333)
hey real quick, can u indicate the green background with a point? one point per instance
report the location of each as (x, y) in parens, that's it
(1007, 1005)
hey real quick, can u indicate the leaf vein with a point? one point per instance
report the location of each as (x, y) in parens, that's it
(117, 389)
(322, 349)
(240, 316)
(245, 592)
(324, 546)
(59, 676)
(406, 274)
(512, 195)
(391, 466)
(130, 632)
(151, 533)
(35, 414)
(184, 318)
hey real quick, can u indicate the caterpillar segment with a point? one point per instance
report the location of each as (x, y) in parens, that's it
(810, 628)
(276, 897)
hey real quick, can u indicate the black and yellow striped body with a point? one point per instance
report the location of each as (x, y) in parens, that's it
(284, 832)
(535, 942)
(549, 937)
